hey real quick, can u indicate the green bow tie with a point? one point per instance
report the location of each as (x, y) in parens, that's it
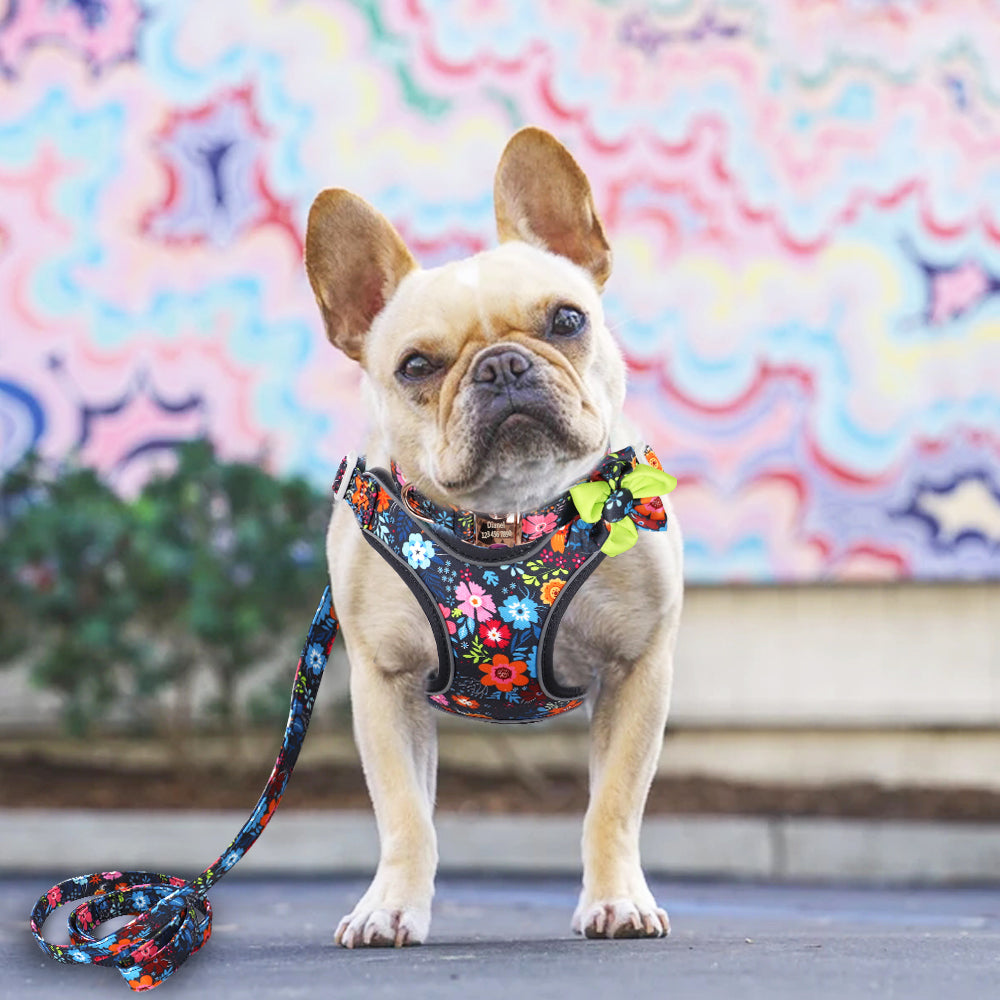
(613, 504)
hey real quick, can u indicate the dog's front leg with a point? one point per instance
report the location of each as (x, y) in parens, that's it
(629, 716)
(396, 738)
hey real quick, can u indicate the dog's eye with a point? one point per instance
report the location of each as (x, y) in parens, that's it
(567, 321)
(417, 366)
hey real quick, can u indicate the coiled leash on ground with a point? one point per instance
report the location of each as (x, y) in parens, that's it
(173, 917)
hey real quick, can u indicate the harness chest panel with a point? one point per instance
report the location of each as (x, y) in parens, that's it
(494, 612)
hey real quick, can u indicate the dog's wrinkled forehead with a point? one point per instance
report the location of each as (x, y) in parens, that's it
(485, 298)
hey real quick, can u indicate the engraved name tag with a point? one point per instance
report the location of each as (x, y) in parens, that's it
(495, 531)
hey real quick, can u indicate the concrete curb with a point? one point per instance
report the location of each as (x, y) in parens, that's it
(69, 842)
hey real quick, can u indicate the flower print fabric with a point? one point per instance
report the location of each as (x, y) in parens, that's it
(519, 611)
(418, 551)
(494, 633)
(476, 603)
(502, 674)
(496, 619)
(536, 525)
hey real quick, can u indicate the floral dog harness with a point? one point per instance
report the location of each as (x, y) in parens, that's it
(495, 608)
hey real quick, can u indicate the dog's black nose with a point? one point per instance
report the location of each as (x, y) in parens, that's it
(502, 367)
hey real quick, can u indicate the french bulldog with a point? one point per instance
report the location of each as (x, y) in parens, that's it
(433, 346)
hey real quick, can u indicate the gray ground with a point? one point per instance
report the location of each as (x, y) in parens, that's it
(509, 939)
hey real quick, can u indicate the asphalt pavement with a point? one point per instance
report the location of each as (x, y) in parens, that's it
(508, 938)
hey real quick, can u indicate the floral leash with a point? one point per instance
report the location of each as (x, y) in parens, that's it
(173, 917)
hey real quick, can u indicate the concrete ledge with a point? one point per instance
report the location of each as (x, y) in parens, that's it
(939, 759)
(62, 843)
(926, 853)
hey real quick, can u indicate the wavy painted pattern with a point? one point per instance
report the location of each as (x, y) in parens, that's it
(803, 197)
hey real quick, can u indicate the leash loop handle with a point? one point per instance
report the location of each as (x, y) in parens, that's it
(172, 916)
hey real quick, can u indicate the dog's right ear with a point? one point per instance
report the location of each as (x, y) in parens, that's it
(541, 196)
(355, 260)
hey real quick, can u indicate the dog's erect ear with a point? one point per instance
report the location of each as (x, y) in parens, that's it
(355, 260)
(541, 196)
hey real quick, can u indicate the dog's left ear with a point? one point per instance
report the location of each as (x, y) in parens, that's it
(541, 196)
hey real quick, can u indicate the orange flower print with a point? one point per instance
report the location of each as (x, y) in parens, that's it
(550, 590)
(360, 496)
(382, 502)
(503, 674)
(651, 459)
(650, 509)
(118, 946)
(558, 542)
(460, 699)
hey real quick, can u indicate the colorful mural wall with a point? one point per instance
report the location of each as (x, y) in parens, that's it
(803, 198)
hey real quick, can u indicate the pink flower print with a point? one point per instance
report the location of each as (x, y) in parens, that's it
(440, 699)
(476, 603)
(449, 624)
(536, 525)
(144, 952)
(54, 896)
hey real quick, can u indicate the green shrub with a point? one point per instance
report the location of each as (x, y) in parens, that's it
(114, 602)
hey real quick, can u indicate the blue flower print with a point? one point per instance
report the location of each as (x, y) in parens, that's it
(519, 611)
(316, 659)
(418, 551)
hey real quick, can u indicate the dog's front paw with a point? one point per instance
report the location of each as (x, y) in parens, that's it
(620, 918)
(372, 926)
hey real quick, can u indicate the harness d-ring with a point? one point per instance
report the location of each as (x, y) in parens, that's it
(406, 495)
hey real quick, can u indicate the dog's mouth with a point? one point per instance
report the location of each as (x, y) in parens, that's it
(517, 448)
(524, 430)
(523, 445)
